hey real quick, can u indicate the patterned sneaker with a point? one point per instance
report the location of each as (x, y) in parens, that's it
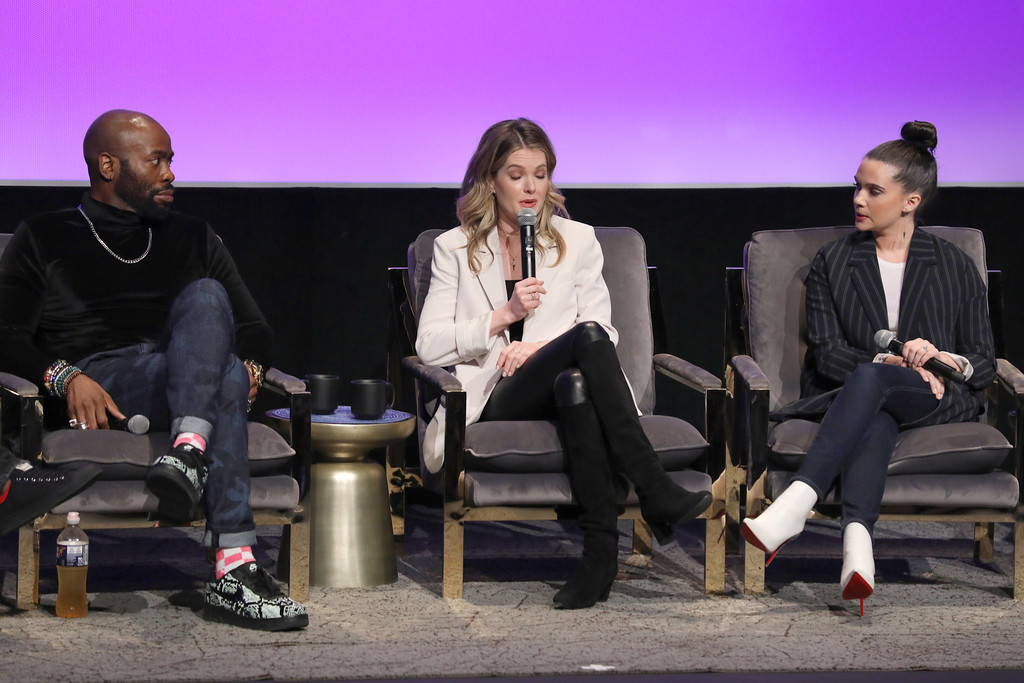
(35, 491)
(249, 597)
(177, 480)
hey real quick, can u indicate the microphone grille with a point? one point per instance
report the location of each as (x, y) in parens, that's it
(527, 217)
(883, 337)
(138, 424)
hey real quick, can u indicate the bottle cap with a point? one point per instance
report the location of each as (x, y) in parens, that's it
(73, 518)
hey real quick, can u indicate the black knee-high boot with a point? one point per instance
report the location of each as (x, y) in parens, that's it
(663, 503)
(593, 486)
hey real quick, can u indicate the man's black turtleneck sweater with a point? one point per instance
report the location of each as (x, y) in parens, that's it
(62, 296)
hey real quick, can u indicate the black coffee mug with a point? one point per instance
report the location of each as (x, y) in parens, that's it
(324, 393)
(370, 398)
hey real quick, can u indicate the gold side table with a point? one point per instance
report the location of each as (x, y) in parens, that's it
(351, 542)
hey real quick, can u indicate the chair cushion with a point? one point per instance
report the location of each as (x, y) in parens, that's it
(488, 489)
(991, 490)
(125, 456)
(958, 448)
(279, 492)
(535, 447)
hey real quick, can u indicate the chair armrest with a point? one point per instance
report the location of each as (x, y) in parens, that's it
(442, 381)
(1010, 383)
(1009, 376)
(686, 372)
(747, 369)
(750, 398)
(715, 400)
(27, 437)
(300, 408)
(435, 376)
(282, 382)
(16, 385)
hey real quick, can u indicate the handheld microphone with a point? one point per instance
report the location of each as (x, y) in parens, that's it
(527, 222)
(136, 424)
(887, 340)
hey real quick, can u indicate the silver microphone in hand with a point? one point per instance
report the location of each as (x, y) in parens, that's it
(527, 224)
(887, 341)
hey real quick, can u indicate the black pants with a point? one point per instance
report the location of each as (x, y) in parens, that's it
(529, 393)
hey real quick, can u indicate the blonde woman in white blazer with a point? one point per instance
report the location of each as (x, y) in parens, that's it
(542, 347)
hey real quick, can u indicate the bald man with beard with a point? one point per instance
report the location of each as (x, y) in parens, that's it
(120, 306)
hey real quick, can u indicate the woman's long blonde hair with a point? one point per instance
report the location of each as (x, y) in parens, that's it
(477, 207)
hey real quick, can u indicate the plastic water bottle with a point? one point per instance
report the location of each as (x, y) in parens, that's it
(72, 566)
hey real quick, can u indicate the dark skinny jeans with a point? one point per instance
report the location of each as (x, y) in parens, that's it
(858, 435)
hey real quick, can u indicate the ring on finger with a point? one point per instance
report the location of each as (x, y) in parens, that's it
(82, 425)
(72, 423)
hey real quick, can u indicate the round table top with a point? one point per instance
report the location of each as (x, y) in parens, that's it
(343, 416)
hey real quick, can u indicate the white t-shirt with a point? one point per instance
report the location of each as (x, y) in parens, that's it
(892, 285)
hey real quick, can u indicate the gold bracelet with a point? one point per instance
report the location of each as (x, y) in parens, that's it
(257, 372)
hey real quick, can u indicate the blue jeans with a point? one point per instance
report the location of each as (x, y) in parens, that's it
(858, 435)
(192, 381)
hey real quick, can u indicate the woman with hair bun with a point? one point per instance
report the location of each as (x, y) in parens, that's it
(887, 275)
(542, 347)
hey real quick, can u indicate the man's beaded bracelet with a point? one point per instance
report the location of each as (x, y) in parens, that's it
(58, 376)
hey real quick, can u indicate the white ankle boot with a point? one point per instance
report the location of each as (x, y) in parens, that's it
(783, 520)
(858, 578)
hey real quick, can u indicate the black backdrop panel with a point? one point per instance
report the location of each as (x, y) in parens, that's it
(316, 258)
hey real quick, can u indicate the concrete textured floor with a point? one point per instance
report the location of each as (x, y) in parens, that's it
(934, 609)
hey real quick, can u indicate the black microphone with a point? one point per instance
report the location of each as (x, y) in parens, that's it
(527, 222)
(887, 340)
(136, 424)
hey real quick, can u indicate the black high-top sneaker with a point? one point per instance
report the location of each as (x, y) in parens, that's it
(35, 491)
(177, 479)
(249, 597)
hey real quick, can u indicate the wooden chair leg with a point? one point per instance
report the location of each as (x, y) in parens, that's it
(298, 558)
(715, 547)
(984, 541)
(726, 492)
(28, 568)
(284, 556)
(753, 557)
(1018, 561)
(454, 542)
(643, 542)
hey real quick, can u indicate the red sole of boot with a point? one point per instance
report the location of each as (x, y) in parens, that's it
(750, 538)
(857, 588)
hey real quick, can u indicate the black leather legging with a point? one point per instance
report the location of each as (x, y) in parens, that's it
(529, 394)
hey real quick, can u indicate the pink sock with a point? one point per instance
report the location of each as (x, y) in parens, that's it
(192, 439)
(232, 558)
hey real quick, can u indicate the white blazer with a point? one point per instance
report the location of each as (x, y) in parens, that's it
(455, 323)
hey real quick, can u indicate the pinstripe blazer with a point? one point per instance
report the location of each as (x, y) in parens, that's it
(943, 300)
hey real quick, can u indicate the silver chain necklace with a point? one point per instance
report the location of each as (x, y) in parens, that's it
(111, 251)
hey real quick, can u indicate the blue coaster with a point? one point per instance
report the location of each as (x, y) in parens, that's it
(343, 415)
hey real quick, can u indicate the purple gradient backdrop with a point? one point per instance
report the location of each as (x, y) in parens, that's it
(642, 92)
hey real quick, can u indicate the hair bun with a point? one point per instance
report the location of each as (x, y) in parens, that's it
(921, 135)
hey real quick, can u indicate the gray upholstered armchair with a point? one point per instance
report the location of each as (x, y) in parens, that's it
(516, 470)
(964, 472)
(119, 499)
